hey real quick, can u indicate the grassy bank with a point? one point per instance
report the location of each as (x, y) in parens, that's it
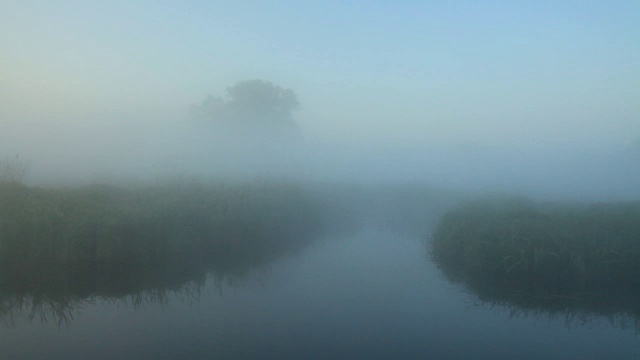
(549, 257)
(117, 240)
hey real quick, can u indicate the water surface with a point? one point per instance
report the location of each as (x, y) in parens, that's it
(373, 295)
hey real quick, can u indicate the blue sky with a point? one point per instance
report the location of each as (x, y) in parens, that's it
(413, 72)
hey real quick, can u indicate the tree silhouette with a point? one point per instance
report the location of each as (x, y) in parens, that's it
(251, 105)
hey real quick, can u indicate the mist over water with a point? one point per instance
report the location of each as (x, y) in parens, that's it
(266, 180)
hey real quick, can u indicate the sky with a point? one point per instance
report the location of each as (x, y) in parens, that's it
(406, 73)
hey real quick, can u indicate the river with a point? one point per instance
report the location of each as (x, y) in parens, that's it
(372, 295)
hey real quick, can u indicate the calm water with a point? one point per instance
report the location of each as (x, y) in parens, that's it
(373, 295)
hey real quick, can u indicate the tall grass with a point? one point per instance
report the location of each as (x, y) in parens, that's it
(13, 169)
(100, 240)
(551, 257)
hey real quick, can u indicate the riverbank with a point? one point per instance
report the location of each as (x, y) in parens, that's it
(111, 240)
(550, 257)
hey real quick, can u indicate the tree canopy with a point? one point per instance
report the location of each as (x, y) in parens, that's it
(250, 104)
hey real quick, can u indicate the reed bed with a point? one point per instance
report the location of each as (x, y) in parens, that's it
(115, 241)
(546, 257)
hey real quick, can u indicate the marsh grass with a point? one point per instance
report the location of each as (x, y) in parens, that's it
(13, 169)
(61, 246)
(555, 258)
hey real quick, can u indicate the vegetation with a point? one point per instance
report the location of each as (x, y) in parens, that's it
(251, 104)
(545, 257)
(61, 246)
(13, 169)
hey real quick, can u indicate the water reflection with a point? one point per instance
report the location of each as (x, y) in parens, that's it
(619, 310)
(60, 299)
(62, 309)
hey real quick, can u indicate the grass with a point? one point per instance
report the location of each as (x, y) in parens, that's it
(545, 257)
(13, 169)
(61, 245)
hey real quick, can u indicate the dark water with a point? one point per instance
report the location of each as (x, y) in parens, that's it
(374, 295)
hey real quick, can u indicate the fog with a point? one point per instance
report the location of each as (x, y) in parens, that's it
(135, 148)
(540, 101)
(333, 155)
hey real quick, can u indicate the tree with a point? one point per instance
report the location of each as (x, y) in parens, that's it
(250, 105)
